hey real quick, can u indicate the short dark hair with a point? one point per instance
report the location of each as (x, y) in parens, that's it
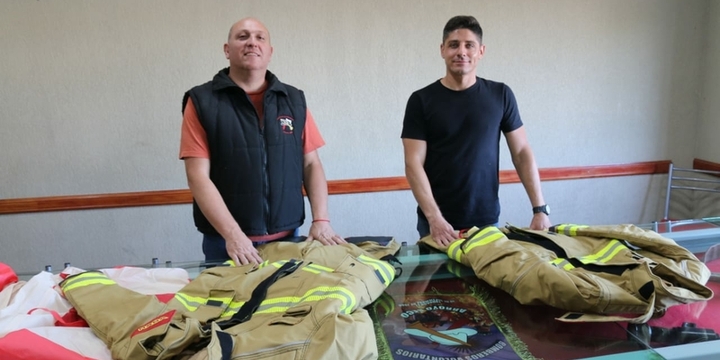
(463, 22)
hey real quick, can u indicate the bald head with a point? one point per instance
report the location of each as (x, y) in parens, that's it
(248, 24)
(248, 47)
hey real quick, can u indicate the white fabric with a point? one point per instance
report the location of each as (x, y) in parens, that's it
(8, 293)
(42, 291)
(38, 292)
(80, 340)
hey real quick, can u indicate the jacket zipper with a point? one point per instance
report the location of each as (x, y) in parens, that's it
(524, 273)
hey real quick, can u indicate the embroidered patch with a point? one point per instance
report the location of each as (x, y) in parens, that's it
(286, 124)
(156, 322)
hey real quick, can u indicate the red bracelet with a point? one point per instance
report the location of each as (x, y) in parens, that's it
(320, 220)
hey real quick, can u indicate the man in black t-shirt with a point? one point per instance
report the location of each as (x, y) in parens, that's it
(451, 136)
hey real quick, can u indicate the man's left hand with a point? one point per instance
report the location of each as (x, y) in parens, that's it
(540, 221)
(324, 233)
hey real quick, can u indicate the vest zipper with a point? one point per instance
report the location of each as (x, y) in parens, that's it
(266, 182)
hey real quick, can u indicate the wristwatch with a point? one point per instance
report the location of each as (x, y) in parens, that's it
(542, 209)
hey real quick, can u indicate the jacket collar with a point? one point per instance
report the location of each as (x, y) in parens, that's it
(222, 81)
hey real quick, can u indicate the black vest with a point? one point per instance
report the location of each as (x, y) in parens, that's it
(258, 172)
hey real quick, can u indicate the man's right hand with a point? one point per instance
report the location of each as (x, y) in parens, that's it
(242, 251)
(442, 232)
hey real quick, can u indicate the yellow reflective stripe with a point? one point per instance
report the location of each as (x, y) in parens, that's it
(193, 302)
(345, 308)
(78, 284)
(454, 250)
(282, 304)
(387, 304)
(232, 308)
(316, 269)
(184, 302)
(387, 272)
(320, 267)
(86, 279)
(84, 276)
(229, 263)
(189, 302)
(563, 263)
(276, 264)
(569, 229)
(605, 254)
(366, 260)
(484, 237)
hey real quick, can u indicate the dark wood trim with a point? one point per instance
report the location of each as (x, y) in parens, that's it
(700, 164)
(335, 187)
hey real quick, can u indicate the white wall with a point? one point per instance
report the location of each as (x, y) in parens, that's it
(91, 94)
(708, 132)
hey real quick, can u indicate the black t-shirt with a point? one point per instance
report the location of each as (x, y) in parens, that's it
(462, 131)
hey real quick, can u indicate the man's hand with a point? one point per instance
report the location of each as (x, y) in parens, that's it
(242, 251)
(324, 233)
(540, 221)
(442, 232)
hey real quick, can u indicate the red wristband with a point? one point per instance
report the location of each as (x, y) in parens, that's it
(320, 220)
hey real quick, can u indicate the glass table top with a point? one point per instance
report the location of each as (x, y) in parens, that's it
(438, 309)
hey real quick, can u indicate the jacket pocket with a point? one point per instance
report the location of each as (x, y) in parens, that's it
(365, 281)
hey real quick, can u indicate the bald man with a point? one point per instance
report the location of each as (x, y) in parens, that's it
(249, 144)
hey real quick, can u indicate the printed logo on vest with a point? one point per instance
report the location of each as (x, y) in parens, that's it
(286, 123)
(154, 323)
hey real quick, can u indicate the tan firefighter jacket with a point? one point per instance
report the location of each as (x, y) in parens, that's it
(599, 273)
(304, 302)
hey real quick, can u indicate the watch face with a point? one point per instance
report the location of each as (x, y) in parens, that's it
(542, 209)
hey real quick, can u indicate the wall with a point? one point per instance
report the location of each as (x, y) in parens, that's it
(707, 145)
(91, 95)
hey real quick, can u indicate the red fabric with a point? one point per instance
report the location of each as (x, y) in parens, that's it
(664, 227)
(70, 319)
(26, 345)
(7, 276)
(165, 298)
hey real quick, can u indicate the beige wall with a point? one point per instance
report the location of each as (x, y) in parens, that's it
(91, 92)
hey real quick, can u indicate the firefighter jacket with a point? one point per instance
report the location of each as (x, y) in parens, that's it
(599, 273)
(257, 170)
(304, 302)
